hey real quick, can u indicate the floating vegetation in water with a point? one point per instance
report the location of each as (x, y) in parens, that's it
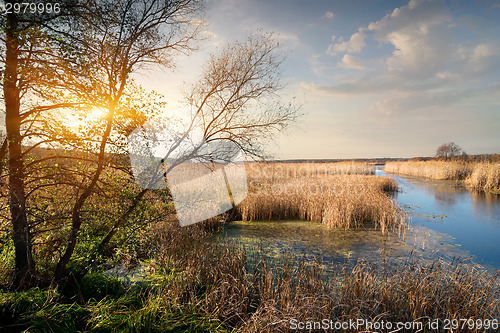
(426, 216)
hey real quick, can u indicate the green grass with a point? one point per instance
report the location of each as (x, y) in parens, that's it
(99, 304)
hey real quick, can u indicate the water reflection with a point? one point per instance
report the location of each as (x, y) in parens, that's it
(486, 205)
(313, 240)
(472, 219)
(447, 200)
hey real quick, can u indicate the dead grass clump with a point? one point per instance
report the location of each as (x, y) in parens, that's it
(411, 293)
(340, 201)
(453, 170)
(485, 176)
(305, 170)
(250, 291)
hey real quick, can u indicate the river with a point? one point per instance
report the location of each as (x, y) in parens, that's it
(448, 221)
(470, 220)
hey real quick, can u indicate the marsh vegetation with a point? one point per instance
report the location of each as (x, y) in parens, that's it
(339, 195)
(483, 176)
(86, 246)
(193, 284)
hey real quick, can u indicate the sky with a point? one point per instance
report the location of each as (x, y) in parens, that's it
(374, 78)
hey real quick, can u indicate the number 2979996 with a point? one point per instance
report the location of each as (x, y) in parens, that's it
(30, 7)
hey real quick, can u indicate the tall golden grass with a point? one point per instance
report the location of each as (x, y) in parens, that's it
(476, 175)
(485, 176)
(452, 170)
(304, 170)
(300, 191)
(250, 291)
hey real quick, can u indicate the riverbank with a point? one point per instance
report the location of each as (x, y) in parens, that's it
(467, 220)
(196, 285)
(189, 282)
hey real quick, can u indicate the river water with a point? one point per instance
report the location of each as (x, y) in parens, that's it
(469, 220)
(448, 222)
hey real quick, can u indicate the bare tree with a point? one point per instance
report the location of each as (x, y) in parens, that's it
(236, 100)
(110, 41)
(449, 150)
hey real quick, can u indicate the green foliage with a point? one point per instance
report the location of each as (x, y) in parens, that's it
(39, 310)
(6, 260)
(99, 304)
(146, 312)
(99, 286)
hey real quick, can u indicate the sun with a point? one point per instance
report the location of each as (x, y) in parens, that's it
(96, 114)
(80, 121)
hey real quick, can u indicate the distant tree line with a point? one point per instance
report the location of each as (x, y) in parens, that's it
(452, 151)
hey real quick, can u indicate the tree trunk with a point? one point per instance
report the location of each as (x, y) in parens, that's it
(76, 220)
(24, 275)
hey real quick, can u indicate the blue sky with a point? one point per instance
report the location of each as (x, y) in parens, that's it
(375, 78)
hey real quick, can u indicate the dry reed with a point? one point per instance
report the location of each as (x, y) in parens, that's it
(319, 193)
(304, 170)
(250, 291)
(485, 176)
(453, 170)
(482, 176)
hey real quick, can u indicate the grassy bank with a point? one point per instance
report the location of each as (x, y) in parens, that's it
(199, 286)
(483, 176)
(339, 195)
(442, 170)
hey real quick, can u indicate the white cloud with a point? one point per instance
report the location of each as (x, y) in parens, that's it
(448, 76)
(483, 51)
(289, 41)
(407, 102)
(420, 35)
(329, 15)
(355, 44)
(427, 56)
(352, 62)
(418, 13)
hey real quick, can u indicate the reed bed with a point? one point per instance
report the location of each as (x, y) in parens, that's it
(452, 170)
(251, 291)
(484, 176)
(304, 170)
(325, 195)
(198, 285)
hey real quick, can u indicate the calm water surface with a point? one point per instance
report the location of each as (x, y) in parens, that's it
(472, 220)
(447, 222)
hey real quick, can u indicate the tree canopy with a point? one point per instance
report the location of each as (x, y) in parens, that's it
(68, 187)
